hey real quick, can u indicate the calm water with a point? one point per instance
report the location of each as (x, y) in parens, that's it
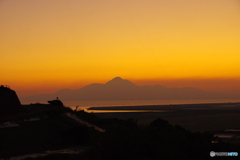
(87, 104)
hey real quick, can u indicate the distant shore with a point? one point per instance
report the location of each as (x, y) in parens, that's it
(194, 117)
(110, 103)
(170, 106)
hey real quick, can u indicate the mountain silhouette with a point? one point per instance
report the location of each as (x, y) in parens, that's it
(122, 89)
(118, 81)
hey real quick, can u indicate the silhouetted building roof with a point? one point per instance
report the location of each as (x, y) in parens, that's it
(56, 102)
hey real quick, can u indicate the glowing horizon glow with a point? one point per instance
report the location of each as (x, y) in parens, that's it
(50, 45)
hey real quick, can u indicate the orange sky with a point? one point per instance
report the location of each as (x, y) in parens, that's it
(50, 45)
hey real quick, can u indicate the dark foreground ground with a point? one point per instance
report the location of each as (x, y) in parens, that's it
(194, 117)
(151, 135)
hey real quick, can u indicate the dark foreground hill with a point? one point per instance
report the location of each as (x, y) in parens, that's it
(121, 140)
(26, 129)
(122, 89)
(39, 132)
(125, 140)
(9, 102)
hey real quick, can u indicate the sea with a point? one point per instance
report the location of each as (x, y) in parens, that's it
(111, 103)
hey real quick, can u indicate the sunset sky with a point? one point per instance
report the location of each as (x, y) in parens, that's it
(47, 45)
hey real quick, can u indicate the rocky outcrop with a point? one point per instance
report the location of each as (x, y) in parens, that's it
(9, 102)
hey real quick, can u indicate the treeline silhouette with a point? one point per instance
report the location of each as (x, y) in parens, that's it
(126, 140)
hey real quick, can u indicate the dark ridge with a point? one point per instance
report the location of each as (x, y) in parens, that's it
(9, 102)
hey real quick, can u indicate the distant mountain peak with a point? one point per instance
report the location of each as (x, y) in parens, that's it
(116, 79)
(119, 80)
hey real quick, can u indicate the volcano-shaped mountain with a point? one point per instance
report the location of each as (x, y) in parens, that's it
(122, 89)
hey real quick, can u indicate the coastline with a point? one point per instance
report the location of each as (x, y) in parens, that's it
(170, 106)
(111, 103)
(193, 117)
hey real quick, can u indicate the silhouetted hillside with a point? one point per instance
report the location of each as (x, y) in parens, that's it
(126, 140)
(9, 102)
(26, 129)
(122, 89)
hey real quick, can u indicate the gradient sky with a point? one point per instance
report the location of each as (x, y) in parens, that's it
(47, 45)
